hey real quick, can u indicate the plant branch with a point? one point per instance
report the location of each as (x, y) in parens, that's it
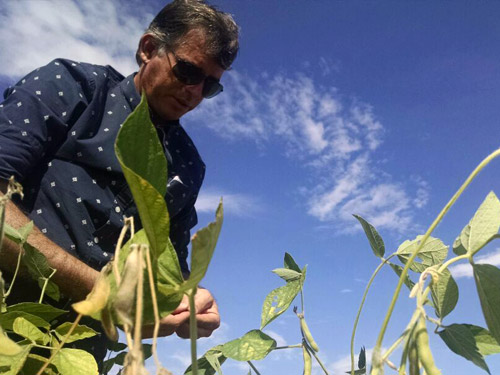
(376, 366)
(18, 265)
(379, 267)
(155, 310)
(45, 285)
(193, 331)
(58, 348)
(253, 367)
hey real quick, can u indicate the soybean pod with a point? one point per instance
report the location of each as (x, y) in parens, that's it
(413, 358)
(423, 349)
(307, 335)
(307, 360)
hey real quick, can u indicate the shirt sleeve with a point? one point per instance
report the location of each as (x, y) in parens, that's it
(37, 114)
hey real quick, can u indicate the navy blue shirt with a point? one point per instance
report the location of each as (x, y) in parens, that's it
(57, 131)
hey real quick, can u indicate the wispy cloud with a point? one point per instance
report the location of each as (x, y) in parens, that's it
(333, 136)
(346, 290)
(334, 139)
(235, 204)
(465, 270)
(34, 32)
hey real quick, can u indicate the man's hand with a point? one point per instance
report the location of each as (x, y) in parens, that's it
(207, 318)
(207, 315)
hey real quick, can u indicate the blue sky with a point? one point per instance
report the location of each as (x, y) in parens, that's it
(332, 108)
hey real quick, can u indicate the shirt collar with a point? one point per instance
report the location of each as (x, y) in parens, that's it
(134, 98)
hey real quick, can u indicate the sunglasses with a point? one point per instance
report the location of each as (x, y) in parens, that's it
(190, 74)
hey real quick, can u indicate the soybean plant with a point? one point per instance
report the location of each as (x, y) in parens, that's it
(426, 257)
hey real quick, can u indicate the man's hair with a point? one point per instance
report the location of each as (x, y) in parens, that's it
(180, 16)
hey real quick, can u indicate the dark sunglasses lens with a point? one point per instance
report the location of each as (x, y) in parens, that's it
(211, 88)
(188, 73)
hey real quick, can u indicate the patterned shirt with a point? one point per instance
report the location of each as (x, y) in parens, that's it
(57, 131)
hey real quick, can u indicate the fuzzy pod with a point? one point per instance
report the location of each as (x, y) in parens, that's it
(307, 361)
(98, 298)
(123, 303)
(308, 336)
(424, 351)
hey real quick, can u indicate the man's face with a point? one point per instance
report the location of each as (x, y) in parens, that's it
(169, 98)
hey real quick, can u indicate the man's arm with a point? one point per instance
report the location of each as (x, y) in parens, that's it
(74, 278)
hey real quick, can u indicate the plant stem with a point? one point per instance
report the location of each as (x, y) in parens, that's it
(15, 272)
(116, 261)
(376, 364)
(155, 311)
(45, 285)
(316, 357)
(288, 347)
(193, 331)
(379, 267)
(58, 348)
(253, 367)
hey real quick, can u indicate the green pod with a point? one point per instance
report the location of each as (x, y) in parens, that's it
(308, 336)
(307, 361)
(413, 358)
(423, 349)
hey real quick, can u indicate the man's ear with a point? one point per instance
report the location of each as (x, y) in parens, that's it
(147, 48)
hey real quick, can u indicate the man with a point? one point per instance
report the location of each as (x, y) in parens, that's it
(57, 129)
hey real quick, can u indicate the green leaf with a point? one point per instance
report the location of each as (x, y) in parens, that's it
(433, 252)
(376, 241)
(29, 331)
(278, 301)
(461, 242)
(289, 263)
(144, 166)
(7, 320)
(34, 362)
(109, 363)
(116, 346)
(79, 333)
(52, 290)
(399, 271)
(487, 279)
(25, 231)
(362, 359)
(461, 341)
(7, 346)
(44, 311)
(39, 268)
(485, 223)
(14, 362)
(287, 274)
(485, 342)
(444, 294)
(167, 280)
(75, 362)
(254, 345)
(202, 248)
(210, 363)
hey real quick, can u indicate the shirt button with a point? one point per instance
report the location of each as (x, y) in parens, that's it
(117, 209)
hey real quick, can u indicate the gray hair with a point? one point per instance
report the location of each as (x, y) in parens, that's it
(181, 16)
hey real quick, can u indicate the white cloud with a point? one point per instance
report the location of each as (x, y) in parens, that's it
(347, 290)
(235, 204)
(32, 33)
(465, 269)
(334, 139)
